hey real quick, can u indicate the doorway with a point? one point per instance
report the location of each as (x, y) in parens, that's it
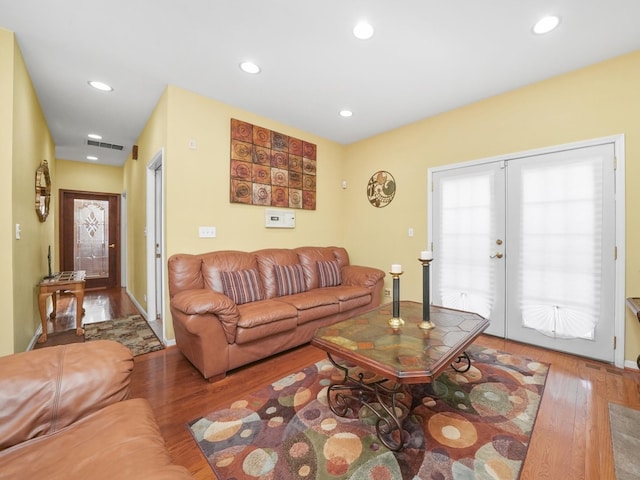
(531, 242)
(90, 236)
(155, 246)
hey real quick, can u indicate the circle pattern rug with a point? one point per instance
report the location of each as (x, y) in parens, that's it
(468, 425)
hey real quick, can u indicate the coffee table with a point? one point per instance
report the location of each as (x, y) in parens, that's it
(377, 361)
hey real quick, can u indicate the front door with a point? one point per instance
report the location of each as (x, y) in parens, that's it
(90, 236)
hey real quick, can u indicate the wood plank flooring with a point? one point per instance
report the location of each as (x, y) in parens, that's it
(571, 438)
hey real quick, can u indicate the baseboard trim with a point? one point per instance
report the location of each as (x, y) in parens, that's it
(165, 341)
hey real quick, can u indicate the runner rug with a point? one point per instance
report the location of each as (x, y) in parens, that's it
(625, 425)
(464, 425)
(133, 332)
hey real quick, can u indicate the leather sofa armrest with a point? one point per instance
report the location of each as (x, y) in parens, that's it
(205, 301)
(357, 275)
(45, 390)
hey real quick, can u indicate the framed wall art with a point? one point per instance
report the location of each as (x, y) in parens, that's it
(381, 188)
(271, 169)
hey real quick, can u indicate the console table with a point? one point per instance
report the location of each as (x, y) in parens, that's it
(72, 282)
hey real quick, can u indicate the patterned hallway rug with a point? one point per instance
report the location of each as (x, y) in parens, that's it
(133, 332)
(462, 426)
(625, 424)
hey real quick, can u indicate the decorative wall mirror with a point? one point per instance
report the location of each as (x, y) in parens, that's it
(43, 191)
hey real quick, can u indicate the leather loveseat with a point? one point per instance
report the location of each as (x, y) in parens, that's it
(231, 308)
(64, 415)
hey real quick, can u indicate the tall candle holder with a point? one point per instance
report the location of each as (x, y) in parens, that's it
(396, 321)
(426, 323)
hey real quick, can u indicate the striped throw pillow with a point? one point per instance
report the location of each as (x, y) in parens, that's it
(242, 286)
(329, 274)
(289, 279)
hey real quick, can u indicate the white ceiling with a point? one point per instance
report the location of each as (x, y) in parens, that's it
(426, 57)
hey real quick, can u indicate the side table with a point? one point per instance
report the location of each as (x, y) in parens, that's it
(72, 282)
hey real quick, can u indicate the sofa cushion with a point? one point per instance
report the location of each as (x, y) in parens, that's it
(329, 274)
(289, 279)
(242, 286)
(350, 297)
(267, 259)
(264, 318)
(310, 256)
(313, 304)
(214, 263)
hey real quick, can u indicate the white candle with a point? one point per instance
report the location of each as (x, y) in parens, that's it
(396, 268)
(426, 255)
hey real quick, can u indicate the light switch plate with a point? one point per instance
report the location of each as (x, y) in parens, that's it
(207, 232)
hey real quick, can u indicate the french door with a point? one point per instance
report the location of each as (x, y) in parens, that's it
(90, 236)
(529, 242)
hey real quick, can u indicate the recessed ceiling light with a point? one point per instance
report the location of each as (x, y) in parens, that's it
(363, 31)
(346, 113)
(101, 86)
(95, 136)
(546, 24)
(91, 157)
(250, 67)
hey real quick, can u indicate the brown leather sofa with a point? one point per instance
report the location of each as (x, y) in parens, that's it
(231, 308)
(64, 415)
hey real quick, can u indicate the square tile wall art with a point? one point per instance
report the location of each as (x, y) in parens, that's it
(271, 169)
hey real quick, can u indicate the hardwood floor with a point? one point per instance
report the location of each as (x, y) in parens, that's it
(571, 438)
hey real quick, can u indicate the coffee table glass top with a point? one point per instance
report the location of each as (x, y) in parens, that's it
(408, 354)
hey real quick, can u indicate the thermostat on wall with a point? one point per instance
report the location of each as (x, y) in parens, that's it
(280, 219)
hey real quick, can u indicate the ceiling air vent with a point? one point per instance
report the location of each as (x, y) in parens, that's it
(111, 146)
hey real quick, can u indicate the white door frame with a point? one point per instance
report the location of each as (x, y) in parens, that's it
(123, 240)
(620, 227)
(151, 206)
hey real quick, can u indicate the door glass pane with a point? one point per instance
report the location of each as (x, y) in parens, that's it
(465, 235)
(91, 237)
(561, 247)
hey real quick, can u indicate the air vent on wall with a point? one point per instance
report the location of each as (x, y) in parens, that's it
(111, 146)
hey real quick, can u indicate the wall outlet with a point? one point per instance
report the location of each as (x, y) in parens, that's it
(387, 292)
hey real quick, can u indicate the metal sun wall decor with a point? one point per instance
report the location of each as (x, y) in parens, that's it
(271, 169)
(381, 189)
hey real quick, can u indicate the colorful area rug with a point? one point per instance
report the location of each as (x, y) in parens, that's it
(133, 332)
(464, 425)
(625, 425)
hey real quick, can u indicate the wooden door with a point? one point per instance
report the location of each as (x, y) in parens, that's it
(90, 236)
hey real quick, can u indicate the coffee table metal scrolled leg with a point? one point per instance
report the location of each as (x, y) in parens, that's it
(342, 396)
(463, 359)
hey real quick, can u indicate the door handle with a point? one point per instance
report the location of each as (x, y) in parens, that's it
(112, 245)
(497, 255)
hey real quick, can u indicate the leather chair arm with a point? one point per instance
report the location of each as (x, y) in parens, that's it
(358, 275)
(206, 301)
(45, 390)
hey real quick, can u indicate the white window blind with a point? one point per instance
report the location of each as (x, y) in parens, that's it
(560, 246)
(467, 223)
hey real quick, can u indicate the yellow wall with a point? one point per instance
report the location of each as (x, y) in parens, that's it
(598, 101)
(86, 177)
(197, 186)
(31, 143)
(6, 214)
(151, 141)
